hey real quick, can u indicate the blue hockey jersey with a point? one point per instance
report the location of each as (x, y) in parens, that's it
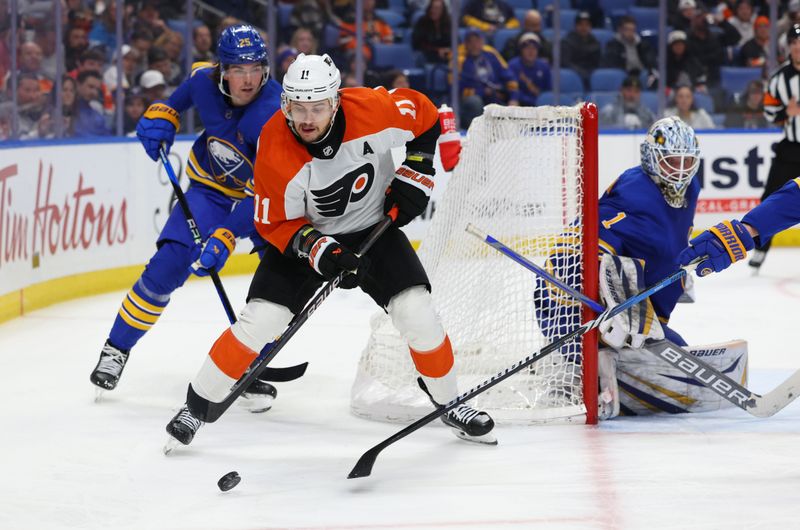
(222, 157)
(779, 211)
(636, 221)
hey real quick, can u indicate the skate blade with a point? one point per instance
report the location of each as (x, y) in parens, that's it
(485, 439)
(171, 445)
(98, 394)
(255, 405)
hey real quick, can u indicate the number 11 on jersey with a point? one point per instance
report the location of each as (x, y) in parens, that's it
(260, 209)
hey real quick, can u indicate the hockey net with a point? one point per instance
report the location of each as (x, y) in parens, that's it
(528, 177)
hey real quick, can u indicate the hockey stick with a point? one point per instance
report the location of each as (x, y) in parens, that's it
(275, 374)
(364, 465)
(215, 410)
(676, 356)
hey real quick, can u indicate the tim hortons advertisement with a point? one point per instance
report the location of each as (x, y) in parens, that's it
(75, 208)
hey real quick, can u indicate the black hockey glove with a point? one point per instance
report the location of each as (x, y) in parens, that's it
(410, 190)
(327, 256)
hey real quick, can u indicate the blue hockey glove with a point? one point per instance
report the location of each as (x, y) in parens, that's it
(722, 245)
(158, 124)
(215, 252)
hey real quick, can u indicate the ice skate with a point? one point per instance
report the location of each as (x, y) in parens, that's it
(756, 260)
(109, 368)
(258, 397)
(470, 424)
(181, 429)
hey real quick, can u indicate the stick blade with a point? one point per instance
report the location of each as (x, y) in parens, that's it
(284, 374)
(363, 467)
(771, 403)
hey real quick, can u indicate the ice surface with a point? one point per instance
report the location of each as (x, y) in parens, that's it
(68, 462)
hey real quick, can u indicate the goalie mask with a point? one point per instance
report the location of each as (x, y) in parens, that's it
(311, 78)
(671, 156)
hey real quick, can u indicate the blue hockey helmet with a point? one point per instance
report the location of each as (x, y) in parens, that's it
(241, 44)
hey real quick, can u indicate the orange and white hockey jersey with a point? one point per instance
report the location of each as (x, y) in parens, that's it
(343, 190)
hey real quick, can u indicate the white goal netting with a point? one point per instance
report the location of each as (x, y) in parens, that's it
(520, 179)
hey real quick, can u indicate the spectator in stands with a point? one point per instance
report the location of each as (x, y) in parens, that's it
(311, 15)
(683, 106)
(628, 111)
(682, 18)
(706, 47)
(682, 68)
(172, 44)
(431, 33)
(376, 30)
(153, 85)
(29, 61)
(149, 17)
(142, 40)
(754, 52)
(75, 43)
(304, 41)
(628, 51)
(89, 120)
(130, 59)
(484, 78)
(94, 60)
(285, 58)
(135, 105)
(350, 81)
(531, 23)
(580, 49)
(45, 38)
(790, 17)
(395, 79)
(69, 104)
(202, 44)
(742, 21)
(488, 15)
(104, 29)
(749, 112)
(32, 109)
(158, 59)
(533, 73)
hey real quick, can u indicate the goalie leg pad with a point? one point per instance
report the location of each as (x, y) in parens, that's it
(648, 385)
(260, 322)
(608, 400)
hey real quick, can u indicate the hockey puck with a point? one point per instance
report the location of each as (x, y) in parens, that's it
(228, 481)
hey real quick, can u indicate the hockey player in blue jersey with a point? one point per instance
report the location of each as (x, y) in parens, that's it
(730, 241)
(234, 98)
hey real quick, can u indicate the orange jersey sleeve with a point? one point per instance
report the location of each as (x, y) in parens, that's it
(278, 204)
(371, 110)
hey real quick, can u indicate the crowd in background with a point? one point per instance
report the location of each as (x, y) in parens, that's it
(608, 54)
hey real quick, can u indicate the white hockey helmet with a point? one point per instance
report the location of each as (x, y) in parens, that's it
(311, 78)
(671, 156)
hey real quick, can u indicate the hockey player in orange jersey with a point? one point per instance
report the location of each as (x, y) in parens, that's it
(323, 180)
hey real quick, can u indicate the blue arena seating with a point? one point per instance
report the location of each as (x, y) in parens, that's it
(606, 79)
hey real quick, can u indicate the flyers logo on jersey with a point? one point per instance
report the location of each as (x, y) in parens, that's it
(354, 186)
(406, 107)
(228, 164)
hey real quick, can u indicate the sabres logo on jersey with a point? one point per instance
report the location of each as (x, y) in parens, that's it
(354, 186)
(228, 164)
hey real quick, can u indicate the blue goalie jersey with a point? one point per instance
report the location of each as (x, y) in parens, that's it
(222, 157)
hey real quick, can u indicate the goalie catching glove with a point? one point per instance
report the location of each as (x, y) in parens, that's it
(158, 125)
(410, 189)
(214, 252)
(327, 256)
(620, 279)
(721, 245)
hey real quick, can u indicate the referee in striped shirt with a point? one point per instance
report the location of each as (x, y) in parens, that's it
(781, 107)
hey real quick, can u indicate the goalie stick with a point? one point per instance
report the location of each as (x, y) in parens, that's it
(289, 373)
(365, 464)
(761, 406)
(215, 410)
